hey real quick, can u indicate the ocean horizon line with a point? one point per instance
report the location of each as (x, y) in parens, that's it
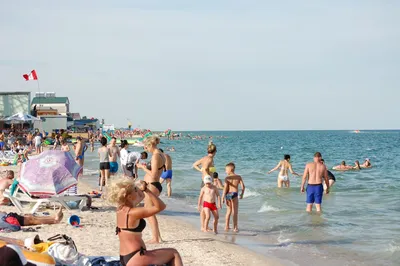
(277, 130)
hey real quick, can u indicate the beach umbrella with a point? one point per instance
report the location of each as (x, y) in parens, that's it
(50, 173)
(20, 117)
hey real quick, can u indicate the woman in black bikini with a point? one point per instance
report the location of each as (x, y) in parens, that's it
(152, 178)
(131, 223)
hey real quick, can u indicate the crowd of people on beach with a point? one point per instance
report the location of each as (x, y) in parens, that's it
(129, 192)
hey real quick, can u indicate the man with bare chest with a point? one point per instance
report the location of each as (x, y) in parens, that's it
(314, 172)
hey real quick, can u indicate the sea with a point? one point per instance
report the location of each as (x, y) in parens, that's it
(360, 223)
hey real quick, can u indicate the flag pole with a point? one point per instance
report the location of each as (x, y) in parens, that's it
(37, 79)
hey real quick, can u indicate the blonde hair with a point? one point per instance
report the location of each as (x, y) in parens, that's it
(119, 190)
(211, 148)
(151, 141)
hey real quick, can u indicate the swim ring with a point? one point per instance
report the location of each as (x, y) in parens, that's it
(38, 259)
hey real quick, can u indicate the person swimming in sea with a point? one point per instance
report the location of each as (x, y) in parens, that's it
(366, 164)
(342, 167)
(357, 165)
(283, 176)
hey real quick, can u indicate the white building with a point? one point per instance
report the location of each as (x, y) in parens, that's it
(51, 122)
(50, 104)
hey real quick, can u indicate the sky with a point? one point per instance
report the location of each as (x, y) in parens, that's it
(210, 65)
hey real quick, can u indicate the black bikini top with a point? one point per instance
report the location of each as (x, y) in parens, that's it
(162, 166)
(138, 229)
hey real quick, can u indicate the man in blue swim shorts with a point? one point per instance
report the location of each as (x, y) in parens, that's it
(167, 174)
(314, 172)
(114, 151)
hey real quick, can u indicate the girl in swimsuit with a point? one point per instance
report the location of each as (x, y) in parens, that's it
(207, 168)
(131, 223)
(283, 176)
(152, 178)
(357, 165)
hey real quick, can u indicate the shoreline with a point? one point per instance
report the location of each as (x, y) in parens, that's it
(98, 231)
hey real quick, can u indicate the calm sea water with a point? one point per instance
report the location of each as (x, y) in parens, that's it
(360, 224)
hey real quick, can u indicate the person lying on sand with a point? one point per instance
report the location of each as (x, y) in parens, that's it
(5, 183)
(29, 219)
(130, 224)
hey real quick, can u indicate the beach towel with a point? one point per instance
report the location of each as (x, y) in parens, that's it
(8, 227)
(98, 261)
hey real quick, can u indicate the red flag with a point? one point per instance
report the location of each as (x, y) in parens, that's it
(31, 76)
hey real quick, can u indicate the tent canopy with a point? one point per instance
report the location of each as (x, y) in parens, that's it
(20, 117)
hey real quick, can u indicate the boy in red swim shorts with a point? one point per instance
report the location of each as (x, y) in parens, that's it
(209, 195)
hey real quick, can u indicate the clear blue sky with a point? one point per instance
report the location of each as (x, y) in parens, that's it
(211, 65)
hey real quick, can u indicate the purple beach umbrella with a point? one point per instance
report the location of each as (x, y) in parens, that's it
(50, 173)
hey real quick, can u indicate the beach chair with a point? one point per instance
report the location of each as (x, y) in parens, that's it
(20, 196)
(7, 156)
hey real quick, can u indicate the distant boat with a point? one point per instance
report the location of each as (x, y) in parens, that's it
(356, 131)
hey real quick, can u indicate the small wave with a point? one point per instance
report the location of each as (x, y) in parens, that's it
(266, 208)
(90, 172)
(282, 240)
(393, 248)
(248, 193)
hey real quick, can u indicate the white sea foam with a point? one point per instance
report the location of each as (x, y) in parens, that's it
(266, 208)
(282, 239)
(393, 248)
(90, 172)
(249, 193)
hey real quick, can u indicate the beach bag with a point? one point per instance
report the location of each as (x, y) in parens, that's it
(63, 250)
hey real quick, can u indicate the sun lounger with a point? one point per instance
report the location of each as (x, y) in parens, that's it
(20, 196)
(7, 156)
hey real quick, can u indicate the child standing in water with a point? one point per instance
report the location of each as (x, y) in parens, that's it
(231, 190)
(217, 182)
(209, 195)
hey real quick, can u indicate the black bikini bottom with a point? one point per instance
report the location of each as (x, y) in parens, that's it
(125, 259)
(157, 185)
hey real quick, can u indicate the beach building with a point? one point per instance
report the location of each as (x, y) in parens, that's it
(52, 110)
(83, 125)
(48, 104)
(12, 103)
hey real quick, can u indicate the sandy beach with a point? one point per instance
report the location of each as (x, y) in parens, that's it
(97, 237)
